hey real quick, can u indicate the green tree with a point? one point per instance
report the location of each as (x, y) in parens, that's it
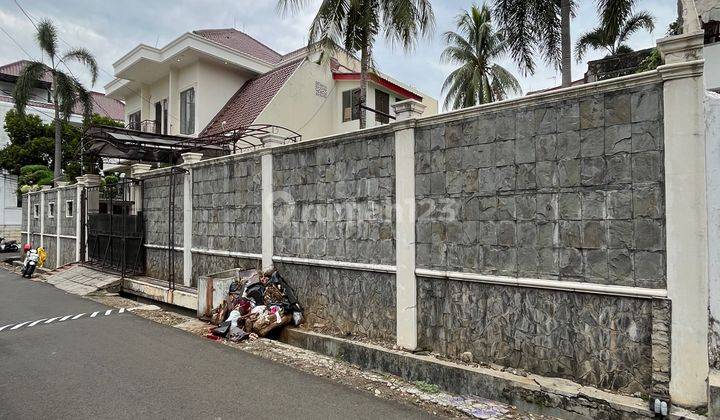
(356, 25)
(66, 90)
(32, 177)
(31, 143)
(478, 80)
(538, 26)
(618, 22)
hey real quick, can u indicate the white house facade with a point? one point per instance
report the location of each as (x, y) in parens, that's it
(208, 81)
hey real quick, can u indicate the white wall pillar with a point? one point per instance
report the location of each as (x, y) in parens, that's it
(136, 170)
(42, 217)
(78, 220)
(29, 218)
(58, 222)
(188, 159)
(686, 215)
(405, 280)
(267, 210)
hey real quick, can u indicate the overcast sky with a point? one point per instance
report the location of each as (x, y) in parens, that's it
(111, 28)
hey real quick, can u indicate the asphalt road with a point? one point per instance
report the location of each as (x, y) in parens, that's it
(126, 367)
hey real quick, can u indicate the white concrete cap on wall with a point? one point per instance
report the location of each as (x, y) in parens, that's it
(139, 168)
(191, 157)
(409, 108)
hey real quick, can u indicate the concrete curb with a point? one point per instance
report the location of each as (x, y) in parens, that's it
(537, 394)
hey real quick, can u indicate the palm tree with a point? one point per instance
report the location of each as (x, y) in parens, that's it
(618, 23)
(356, 24)
(538, 26)
(66, 90)
(478, 80)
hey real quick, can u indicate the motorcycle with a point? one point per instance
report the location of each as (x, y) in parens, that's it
(31, 261)
(8, 246)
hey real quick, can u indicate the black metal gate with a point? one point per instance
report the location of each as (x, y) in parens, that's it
(113, 229)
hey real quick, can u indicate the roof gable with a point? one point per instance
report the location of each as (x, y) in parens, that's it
(240, 41)
(250, 100)
(14, 69)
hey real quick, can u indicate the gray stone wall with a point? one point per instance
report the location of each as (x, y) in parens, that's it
(334, 200)
(50, 248)
(227, 206)
(602, 341)
(156, 264)
(571, 190)
(50, 222)
(156, 210)
(68, 224)
(204, 264)
(346, 302)
(67, 251)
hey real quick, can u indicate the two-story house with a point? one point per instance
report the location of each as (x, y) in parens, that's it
(209, 81)
(40, 104)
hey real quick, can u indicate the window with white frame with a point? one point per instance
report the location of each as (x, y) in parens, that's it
(69, 208)
(134, 121)
(36, 211)
(51, 210)
(187, 111)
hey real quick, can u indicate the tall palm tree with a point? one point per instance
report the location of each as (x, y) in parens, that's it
(478, 80)
(356, 24)
(617, 24)
(66, 90)
(538, 26)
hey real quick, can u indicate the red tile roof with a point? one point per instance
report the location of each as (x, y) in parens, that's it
(102, 105)
(250, 100)
(14, 69)
(241, 42)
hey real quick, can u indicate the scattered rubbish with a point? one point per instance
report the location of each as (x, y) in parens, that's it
(256, 305)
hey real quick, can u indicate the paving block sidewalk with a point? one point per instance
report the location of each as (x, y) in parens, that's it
(82, 280)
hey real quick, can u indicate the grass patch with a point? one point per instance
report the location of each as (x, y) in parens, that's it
(427, 387)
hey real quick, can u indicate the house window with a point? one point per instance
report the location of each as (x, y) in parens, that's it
(69, 208)
(51, 210)
(187, 111)
(165, 116)
(134, 121)
(382, 104)
(351, 105)
(158, 117)
(36, 211)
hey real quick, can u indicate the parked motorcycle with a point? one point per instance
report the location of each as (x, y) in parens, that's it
(30, 263)
(8, 246)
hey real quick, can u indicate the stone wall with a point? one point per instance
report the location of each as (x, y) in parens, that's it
(347, 302)
(335, 200)
(156, 211)
(68, 224)
(570, 191)
(563, 191)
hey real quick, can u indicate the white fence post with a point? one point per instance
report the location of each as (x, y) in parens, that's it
(188, 158)
(406, 282)
(268, 231)
(686, 215)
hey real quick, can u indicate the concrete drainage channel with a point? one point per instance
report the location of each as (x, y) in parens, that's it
(531, 393)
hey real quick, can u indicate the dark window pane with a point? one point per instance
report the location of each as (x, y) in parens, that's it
(382, 104)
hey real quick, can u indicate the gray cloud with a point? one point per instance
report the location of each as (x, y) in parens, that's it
(111, 29)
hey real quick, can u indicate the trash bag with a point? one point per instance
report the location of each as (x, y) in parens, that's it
(292, 301)
(256, 292)
(222, 329)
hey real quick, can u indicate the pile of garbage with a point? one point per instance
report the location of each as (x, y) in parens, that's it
(256, 306)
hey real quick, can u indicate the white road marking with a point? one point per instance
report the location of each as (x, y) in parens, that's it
(36, 322)
(27, 324)
(19, 325)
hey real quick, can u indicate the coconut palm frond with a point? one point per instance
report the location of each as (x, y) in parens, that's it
(46, 37)
(26, 82)
(66, 91)
(476, 44)
(613, 13)
(84, 57)
(594, 39)
(84, 98)
(634, 23)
